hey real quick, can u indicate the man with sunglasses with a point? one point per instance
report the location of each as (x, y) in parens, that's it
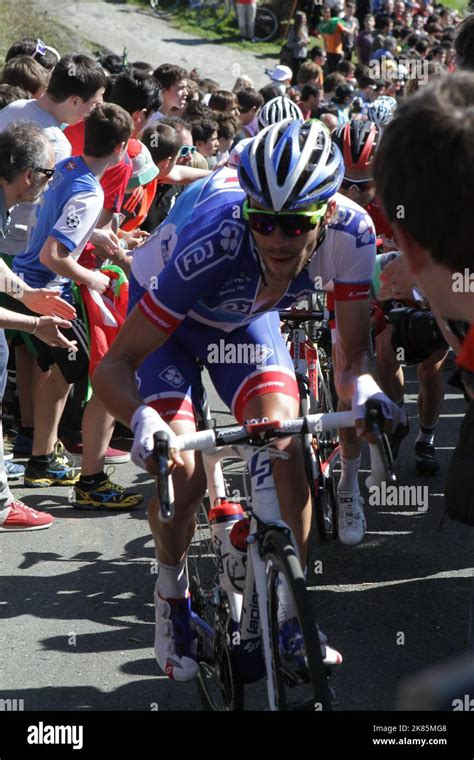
(234, 250)
(26, 165)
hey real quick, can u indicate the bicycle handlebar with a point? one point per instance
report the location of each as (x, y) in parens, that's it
(298, 316)
(380, 454)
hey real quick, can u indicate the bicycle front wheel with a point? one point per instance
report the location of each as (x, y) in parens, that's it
(211, 13)
(266, 24)
(298, 672)
(219, 685)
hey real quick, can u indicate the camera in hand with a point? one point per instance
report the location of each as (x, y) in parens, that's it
(417, 332)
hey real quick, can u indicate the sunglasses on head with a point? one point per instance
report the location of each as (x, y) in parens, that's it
(49, 172)
(361, 184)
(187, 150)
(40, 48)
(293, 223)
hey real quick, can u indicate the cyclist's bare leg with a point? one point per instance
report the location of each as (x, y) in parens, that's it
(189, 482)
(388, 367)
(431, 394)
(351, 445)
(289, 474)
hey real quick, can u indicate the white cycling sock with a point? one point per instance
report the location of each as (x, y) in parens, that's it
(172, 582)
(349, 481)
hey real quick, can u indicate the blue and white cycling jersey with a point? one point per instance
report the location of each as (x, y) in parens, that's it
(68, 210)
(202, 264)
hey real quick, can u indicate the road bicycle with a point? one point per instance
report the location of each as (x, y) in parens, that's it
(309, 341)
(207, 13)
(266, 23)
(211, 13)
(241, 599)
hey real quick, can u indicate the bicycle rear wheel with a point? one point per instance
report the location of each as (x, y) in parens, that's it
(320, 480)
(220, 688)
(165, 6)
(323, 492)
(211, 13)
(298, 672)
(266, 24)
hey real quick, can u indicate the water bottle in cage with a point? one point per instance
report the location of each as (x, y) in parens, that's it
(222, 518)
(237, 557)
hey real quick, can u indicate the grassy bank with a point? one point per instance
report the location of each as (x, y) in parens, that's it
(227, 32)
(25, 19)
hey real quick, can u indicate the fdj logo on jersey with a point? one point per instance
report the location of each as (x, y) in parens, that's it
(172, 376)
(209, 250)
(260, 470)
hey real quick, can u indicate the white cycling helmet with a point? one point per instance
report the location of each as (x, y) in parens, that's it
(381, 110)
(290, 165)
(278, 109)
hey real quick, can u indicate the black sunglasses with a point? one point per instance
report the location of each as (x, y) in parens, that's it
(292, 224)
(361, 184)
(49, 172)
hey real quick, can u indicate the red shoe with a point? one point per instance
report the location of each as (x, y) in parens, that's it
(112, 456)
(21, 517)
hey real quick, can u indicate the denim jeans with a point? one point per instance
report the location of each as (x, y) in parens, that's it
(5, 493)
(246, 15)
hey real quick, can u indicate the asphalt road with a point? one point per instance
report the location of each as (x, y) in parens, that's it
(76, 601)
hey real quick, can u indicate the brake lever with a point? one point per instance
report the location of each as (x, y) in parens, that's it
(373, 422)
(161, 456)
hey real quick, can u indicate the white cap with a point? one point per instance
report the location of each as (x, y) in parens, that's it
(280, 73)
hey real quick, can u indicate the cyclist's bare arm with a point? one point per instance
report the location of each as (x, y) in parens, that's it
(114, 379)
(353, 346)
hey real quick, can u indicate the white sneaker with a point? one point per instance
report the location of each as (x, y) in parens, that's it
(175, 643)
(350, 517)
(330, 656)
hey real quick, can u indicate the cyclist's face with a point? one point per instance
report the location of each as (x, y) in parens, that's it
(284, 257)
(361, 194)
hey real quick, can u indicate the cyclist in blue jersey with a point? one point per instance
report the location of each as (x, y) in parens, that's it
(233, 250)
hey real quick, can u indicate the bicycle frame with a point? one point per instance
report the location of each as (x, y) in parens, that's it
(265, 509)
(250, 443)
